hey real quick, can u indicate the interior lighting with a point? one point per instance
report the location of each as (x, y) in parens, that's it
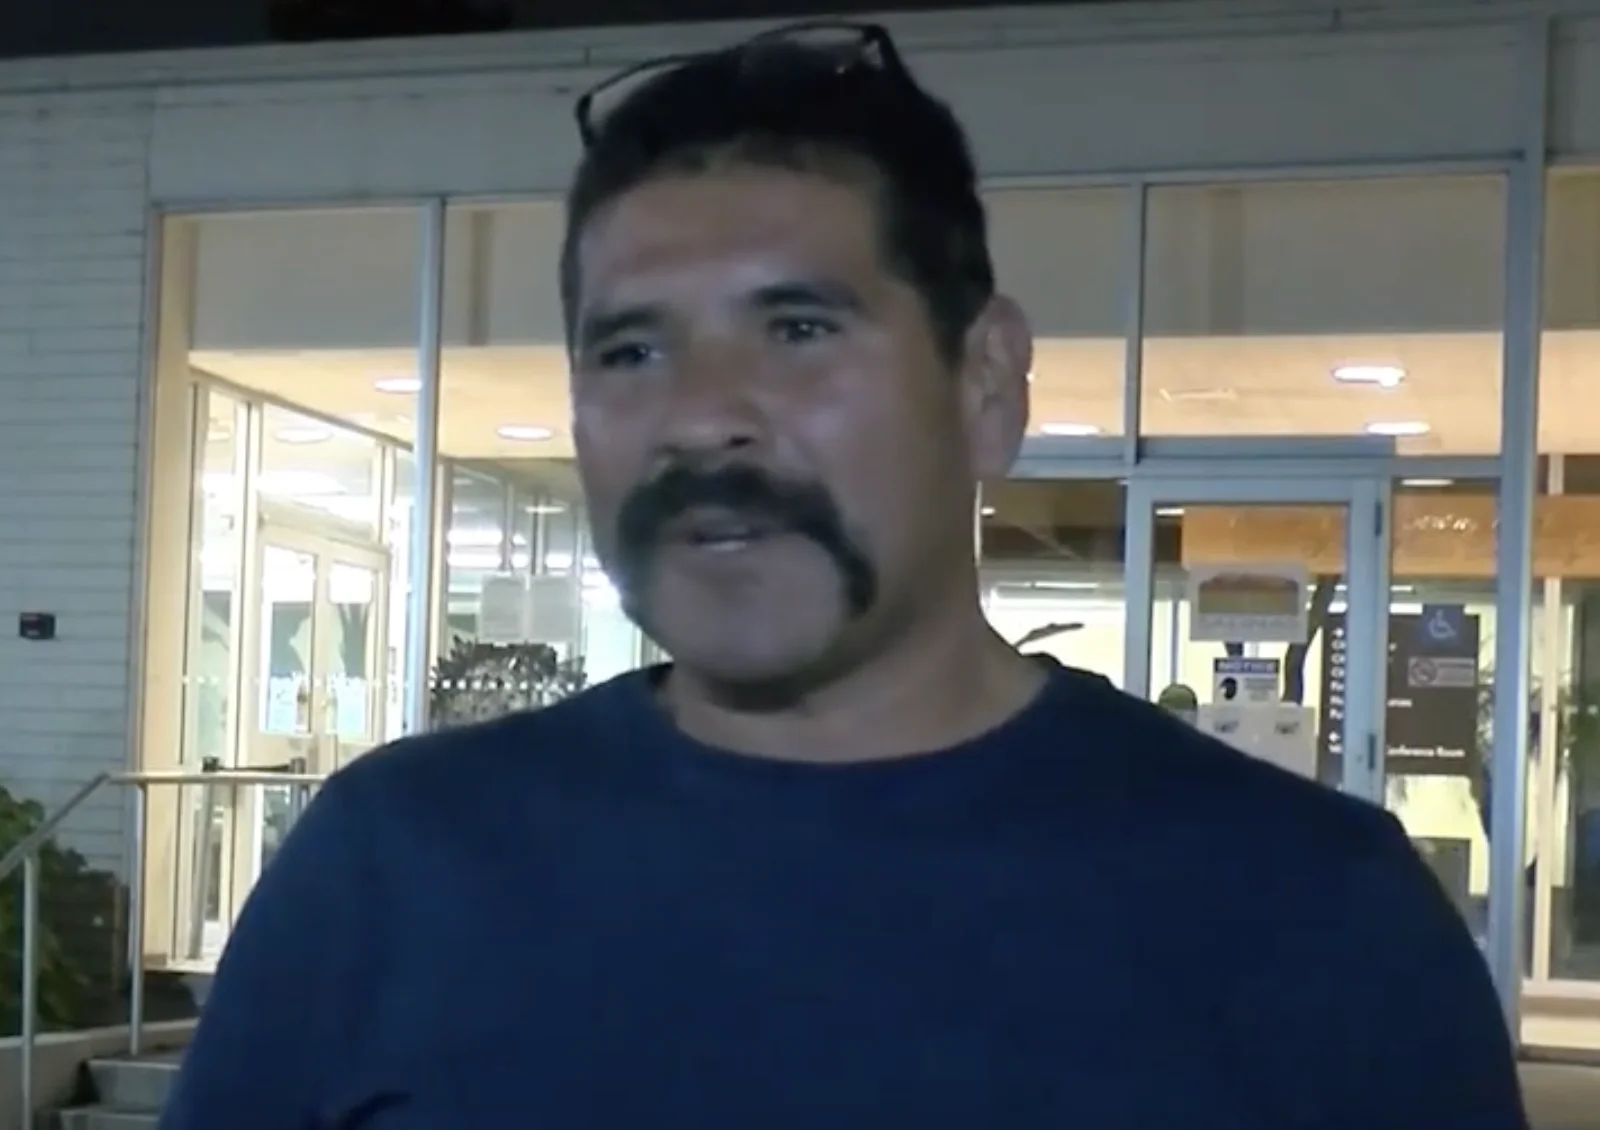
(1383, 376)
(1398, 428)
(524, 433)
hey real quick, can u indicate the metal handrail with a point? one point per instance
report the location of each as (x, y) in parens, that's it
(26, 853)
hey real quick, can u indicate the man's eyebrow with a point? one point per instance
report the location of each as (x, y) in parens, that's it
(602, 324)
(599, 325)
(820, 294)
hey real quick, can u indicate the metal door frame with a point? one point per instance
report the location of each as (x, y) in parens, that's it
(1363, 488)
(327, 543)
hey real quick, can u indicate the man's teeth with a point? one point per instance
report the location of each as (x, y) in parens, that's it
(723, 537)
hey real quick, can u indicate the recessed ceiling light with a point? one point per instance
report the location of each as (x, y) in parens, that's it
(524, 433)
(398, 384)
(1068, 428)
(1398, 428)
(307, 434)
(1384, 376)
(986, 511)
(1426, 483)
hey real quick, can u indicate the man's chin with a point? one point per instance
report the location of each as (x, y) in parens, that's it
(766, 676)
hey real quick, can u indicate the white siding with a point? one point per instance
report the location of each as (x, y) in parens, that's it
(1051, 106)
(72, 264)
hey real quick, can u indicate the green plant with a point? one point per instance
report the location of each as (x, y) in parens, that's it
(477, 681)
(1577, 714)
(79, 937)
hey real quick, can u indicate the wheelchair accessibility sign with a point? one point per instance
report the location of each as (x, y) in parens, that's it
(1442, 627)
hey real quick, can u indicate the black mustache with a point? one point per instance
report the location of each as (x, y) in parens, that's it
(802, 508)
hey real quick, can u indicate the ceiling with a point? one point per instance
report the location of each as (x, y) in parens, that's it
(1194, 386)
(1253, 296)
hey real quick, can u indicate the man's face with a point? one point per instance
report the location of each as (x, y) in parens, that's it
(775, 453)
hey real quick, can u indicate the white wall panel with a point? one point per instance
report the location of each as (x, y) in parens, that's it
(73, 208)
(1326, 98)
(1317, 98)
(1575, 90)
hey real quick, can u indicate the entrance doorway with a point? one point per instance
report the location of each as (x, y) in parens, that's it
(318, 652)
(1282, 579)
(317, 694)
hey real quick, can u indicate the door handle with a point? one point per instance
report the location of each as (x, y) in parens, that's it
(293, 765)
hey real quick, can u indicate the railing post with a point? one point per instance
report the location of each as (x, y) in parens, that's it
(136, 900)
(30, 986)
(200, 868)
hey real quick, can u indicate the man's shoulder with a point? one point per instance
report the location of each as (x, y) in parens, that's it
(1236, 847)
(1196, 793)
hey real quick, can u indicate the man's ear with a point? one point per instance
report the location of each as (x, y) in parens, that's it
(998, 358)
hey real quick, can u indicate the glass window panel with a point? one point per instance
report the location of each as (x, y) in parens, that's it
(317, 314)
(1564, 745)
(1332, 309)
(215, 600)
(518, 566)
(1051, 569)
(299, 330)
(1063, 253)
(319, 469)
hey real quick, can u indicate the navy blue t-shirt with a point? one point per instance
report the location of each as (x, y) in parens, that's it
(1093, 918)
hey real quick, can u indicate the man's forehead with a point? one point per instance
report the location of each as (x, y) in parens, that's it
(677, 219)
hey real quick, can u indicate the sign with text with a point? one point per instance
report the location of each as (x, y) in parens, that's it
(1431, 716)
(1241, 680)
(1250, 604)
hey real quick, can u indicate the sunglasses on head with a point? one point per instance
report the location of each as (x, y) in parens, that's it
(850, 46)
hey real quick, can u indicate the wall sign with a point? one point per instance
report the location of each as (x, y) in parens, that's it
(1245, 681)
(1248, 604)
(1431, 717)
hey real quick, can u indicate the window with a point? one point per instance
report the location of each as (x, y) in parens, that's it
(1355, 308)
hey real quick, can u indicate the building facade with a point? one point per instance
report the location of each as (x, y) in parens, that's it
(1318, 298)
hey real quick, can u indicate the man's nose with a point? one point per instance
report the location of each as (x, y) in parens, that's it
(711, 407)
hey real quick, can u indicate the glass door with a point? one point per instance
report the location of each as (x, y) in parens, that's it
(315, 697)
(1257, 610)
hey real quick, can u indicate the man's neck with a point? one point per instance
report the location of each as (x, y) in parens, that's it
(926, 695)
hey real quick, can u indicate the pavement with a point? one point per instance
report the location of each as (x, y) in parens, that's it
(1562, 1096)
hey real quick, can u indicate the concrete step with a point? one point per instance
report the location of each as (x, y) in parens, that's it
(103, 1118)
(131, 1093)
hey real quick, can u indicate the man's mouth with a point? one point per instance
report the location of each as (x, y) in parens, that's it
(721, 531)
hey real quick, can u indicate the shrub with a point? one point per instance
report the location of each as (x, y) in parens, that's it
(81, 916)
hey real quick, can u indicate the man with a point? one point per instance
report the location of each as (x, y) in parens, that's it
(850, 861)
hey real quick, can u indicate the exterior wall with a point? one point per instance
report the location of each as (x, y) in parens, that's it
(87, 146)
(73, 206)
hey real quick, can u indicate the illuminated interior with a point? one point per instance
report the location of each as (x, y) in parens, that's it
(1306, 310)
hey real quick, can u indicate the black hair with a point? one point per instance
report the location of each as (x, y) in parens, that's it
(792, 106)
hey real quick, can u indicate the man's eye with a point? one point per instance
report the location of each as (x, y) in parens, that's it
(797, 331)
(627, 356)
